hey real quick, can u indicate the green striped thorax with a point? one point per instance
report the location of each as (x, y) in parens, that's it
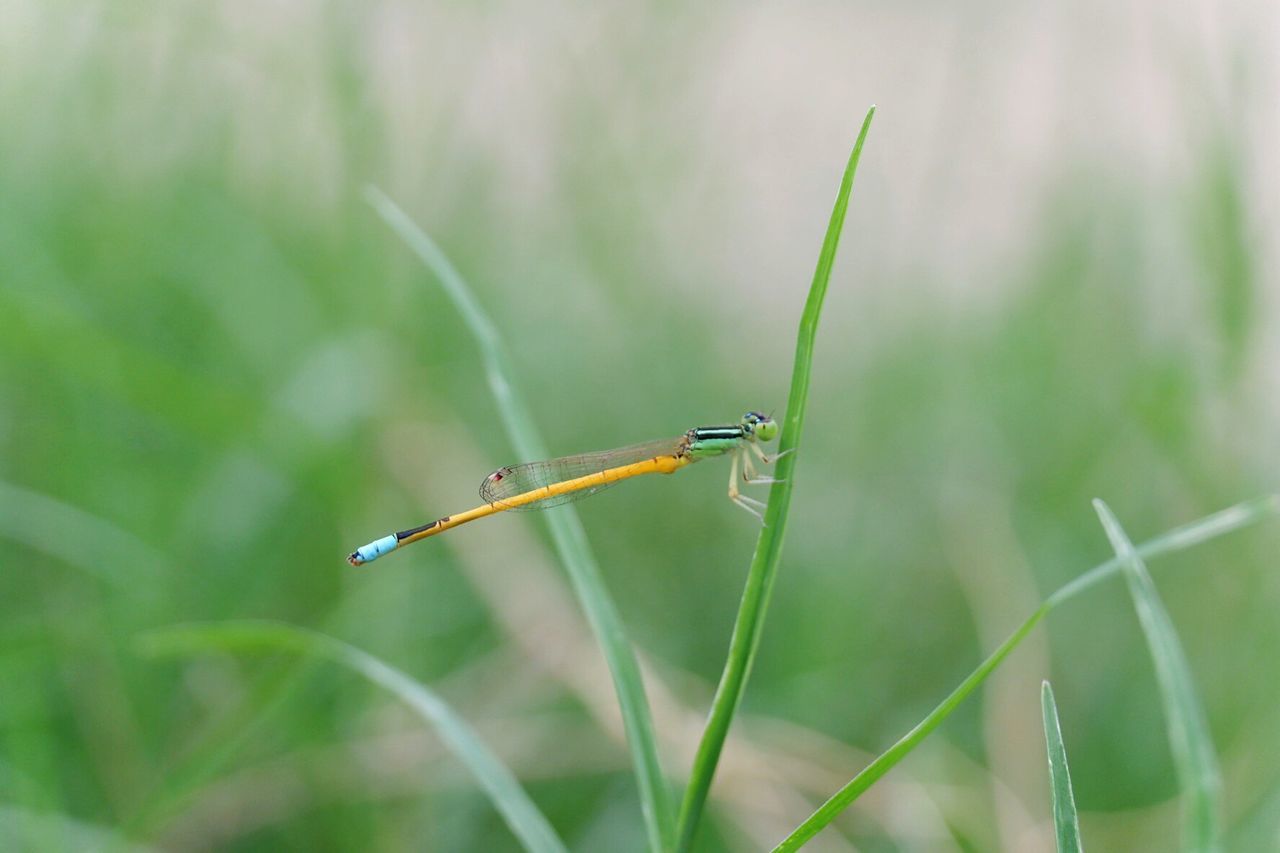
(705, 442)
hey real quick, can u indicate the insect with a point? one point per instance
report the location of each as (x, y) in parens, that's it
(538, 485)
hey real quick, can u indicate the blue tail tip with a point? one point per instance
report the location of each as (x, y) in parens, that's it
(372, 551)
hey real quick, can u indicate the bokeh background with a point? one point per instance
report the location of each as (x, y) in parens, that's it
(220, 372)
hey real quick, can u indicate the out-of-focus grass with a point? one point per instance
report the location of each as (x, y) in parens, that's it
(1189, 743)
(566, 530)
(509, 799)
(208, 344)
(1066, 824)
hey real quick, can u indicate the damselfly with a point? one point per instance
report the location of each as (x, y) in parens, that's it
(537, 485)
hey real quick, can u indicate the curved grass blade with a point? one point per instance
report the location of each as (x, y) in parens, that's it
(1178, 539)
(517, 810)
(841, 800)
(1259, 827)
(1065, 822)
(21, 829)
(91, 544)
(749, 623)
(1194, 757)
(567, 532)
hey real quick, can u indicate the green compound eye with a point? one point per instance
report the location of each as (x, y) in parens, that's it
(767, 429)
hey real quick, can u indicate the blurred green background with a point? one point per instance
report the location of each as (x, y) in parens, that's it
(220, 372)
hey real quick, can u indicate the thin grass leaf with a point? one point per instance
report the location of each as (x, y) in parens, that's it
(517, 810)
(843, 798)
(749, 623)
(1180, 538)
(216, 746)
(1065, 822)
(567, 532)
(1259, 827)
(1194, 757)
(91, 544)
(24, 829)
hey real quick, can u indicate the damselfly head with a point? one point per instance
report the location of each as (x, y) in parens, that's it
(761, 426)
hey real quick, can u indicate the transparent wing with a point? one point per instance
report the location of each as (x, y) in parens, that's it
(506, 483)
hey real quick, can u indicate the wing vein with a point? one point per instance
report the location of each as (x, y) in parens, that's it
(512, 480)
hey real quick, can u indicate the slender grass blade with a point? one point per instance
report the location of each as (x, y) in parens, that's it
(567, 532)
(1177, 539)
(843, 798)
(517, 810)
(1194, 757)
(1065, 822)
(749, 623)
(91, 544)
(22, 829)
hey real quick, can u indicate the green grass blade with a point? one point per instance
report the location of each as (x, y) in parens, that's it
(89, 543)
(1194, 758)
(521, 815)
(1259, 827)
(21, 829)
(842, 799)
(760, 579)
(1065, 822)
(1178, 539)
(567, 532)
